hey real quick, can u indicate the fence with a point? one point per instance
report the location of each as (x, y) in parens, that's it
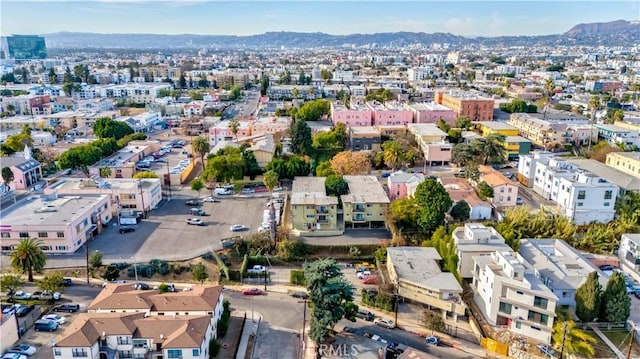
(25, 323)
(494, 346)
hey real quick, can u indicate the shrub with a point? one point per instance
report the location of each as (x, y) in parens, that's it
(245, 263)
(214, 348)
(296, 277)
(223, 322)
(378, 300)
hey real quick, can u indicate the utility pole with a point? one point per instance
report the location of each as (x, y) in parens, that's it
(564, 337)
(86, 250)
(304, 320)
(632, 333)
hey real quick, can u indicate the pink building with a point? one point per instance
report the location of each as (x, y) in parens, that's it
(392, 113)
(193, 109)
(355, 115)
(221, 132)
(403, 185)
(25, 172)
(270, 125)
(432, 113)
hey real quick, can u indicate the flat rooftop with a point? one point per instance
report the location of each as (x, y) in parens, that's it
(419, 265)
(121, 157)
(364, 189)
(38, 211)
(70, 184)
(496, 125)
(364, 130)
(617, 177)
(426, 129)
(310, 190)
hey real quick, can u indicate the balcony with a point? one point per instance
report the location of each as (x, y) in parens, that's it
(322, 210)
(110, 353)
(358, 209)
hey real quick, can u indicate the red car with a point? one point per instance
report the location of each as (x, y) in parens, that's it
(370, 280)
(252, 291)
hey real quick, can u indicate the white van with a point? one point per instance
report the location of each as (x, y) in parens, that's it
(222, 191)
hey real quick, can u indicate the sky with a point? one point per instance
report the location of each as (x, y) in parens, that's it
(226, 17)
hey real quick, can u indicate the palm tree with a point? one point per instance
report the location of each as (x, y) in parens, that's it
(105, 172)
(392, 154)
(572, 339)
(29, 256)
(234, 126)
(270, 179)
(201, 147)
(490, 148)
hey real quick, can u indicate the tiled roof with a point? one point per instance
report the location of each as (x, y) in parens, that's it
(124, 296)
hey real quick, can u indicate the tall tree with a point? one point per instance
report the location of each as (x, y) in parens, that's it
(329, 293)
(490, 149)
(588, 298)
(433, 203)
(461, 211)
(270, 179)
(350, 163)
(463, 154)
(199, 273)
(105, 171)
(393, 154)
(336, 185)
(10, 283)
(300, 134)
(28, 257)
(616, 303)
(196, 185)
(234, 126)
(52, 282)
(7, 176)
(264, 84)
(575, 340)
(201, 147)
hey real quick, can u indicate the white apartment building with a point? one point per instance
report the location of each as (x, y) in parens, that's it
(510, 295)
(586, 198)
(629, 250)
(419, 73)
(475, 239)
(559, 267)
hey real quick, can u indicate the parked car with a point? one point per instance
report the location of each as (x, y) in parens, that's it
(21, 295)
(195, 221)
(44, 325)
(227, 243)
(126, 229)
(141, 286)
(248, 191)
(544, 349)
(432, 339)
(519, 201)
(386, 323)
(606, 267)
(46, 295)
(252, 291)
(365, 315)
(55, 317)
(66, 282)
(370, 280)
(300, 294)
(211, 200)
(278, 189)
(23, 349)
(258, 269)
(193, 202)
(238, 228)
(23, 310)
(11, 355)
(197, 212)
(68, 307)
(264, 228)
(364, 274)
(222, 191)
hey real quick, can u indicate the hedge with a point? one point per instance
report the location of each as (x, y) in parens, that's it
(378, 300)
(296, 277)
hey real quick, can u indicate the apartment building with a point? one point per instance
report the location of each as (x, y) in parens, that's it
(432, 142)
(123, 163)
(221, 132)
(560, 267)
(419, 73)
(616, 134)
(494, 127)
(364, 138)
(459, 189)
(366, 204)
(354, 115)
(431, 112)
(474, 107)
(629, 251)
(553, 130)
(135, 92)
(475, 239)
(313, 212)
(270, 125)
(416, 275)
(510, 295)
(626, 162)
(528, 165)
(526, 93)
(129, 194)
(390, 113)
(624, 181)
(283, 92)
(402, 185)
(505, 192)
(26, 171)
(585, 198)
(63, 223)
(603, 85)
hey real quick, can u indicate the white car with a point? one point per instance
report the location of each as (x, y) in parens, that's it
(195, 221)
(14, 356)
(22, 295)
(211, 199)
(23, 349)
(387, 323)
(55, 317)
(237, 228)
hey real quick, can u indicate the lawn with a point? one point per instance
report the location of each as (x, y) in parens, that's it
(621, 337)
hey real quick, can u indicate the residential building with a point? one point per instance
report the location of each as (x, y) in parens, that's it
(8, 330)
(283, 92)
(626, 162)
(475, 239)
(353, 115)
(495, 127)
(366, 204)
(586, 198)
(526, 93)
(364, 138)
(416, 275)
(195, 108)
(63, 223)
(624, 181)
(122, 164)
(475, 108)
(419, 73)
(603, 85)
(552, 129)
(390, 113)
(263, 147)
(432, 142)
(510, 295)
(26, 172)
(505, 192)
(516, 146)
(128, 194)
(270, 125)
(221, 132)
(528, 164)
(431, 112)
(629, 250)
(143, 122)
(616, 134)
(459, 189)
(313, 212)
(402, 185)
(559, 266)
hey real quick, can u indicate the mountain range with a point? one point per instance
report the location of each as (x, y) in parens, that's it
(614, 33)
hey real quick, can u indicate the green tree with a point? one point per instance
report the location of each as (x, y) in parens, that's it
(433, 321)
(588, 298)
(28, 257)
(270, 179)
(463, 154)
(52, 76)
(252, 168)
(234, 126)
(225, 166)
(264, 84)
(433, 203)
(182, 81)
(393, 154)
(300, 134)
(575, 340)
(105, 127)
(145, 174)
(7, 176)
(490, 149)
(329, 292)
(11, 283)
(463, 122)
(199, 273)
(111, 273)
(296, 166)
(616, 303)
(313, 110)
(484, 190)
(163, 288)
(197, 185)
(105, 171)
(461, 211)
(295, 93)
(95, 259)
(201, 147)
(336, 185)
(324, 169)
(446, 247)
(52, 282)
(236, 92)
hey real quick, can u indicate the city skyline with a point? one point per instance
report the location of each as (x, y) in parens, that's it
(203, 17)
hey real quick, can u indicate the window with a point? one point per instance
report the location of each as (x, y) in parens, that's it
(195, 352)
(174, 353)
(60, 234)
(124, 340)
(56, 351)
(580, 204)
(24, 234)
(79, 352)
(505, 308)
(540, 302)
(520, 292)
(137, 343)
(124, 354)
(518, 325)
(43, 235)
(607, 194)
(6, 235)
(538, 317)
(606, 204)
(581, 194)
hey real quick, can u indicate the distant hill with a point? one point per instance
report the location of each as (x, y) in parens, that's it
(619, 33)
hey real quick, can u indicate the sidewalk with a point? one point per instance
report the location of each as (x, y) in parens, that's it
(247, 342)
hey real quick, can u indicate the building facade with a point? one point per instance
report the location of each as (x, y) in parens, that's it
(313, 212)
(364, 138)
(626, 162)
(473, 107)
(475, 239)
(366, 204)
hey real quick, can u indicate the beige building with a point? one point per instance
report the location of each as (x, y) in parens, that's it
(123, 163)
(313, 213)
(366, 204)
(417, 277)
(505, 191)
(270, 125)
(627, 162)
(63, 223)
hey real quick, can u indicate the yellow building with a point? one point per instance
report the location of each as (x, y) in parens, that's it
(313, 213)
(627, 162)
(366, 204)
(490, 127)
(628, 125)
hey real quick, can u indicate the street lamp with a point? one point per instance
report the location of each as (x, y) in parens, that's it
(135, 268)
